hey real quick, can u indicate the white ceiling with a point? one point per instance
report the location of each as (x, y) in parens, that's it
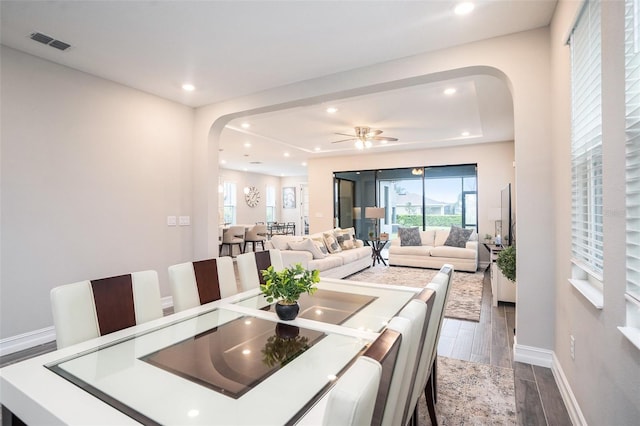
(233, 48)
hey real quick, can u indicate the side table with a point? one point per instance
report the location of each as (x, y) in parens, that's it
(377, 245)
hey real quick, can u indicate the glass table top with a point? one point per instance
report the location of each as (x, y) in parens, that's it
(220, 367)
(346, 303)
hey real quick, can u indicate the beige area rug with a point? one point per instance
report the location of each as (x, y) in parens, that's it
(465, 300)
(472, 394)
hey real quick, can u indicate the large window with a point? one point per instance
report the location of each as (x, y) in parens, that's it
(229, 202)
(586, 143)
(429, 197)
(632, 89)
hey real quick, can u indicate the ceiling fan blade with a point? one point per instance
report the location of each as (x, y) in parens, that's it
(373, 133)
(345, 140)
(345, 134)
(383, 138)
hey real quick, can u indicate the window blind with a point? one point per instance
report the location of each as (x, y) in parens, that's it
(586, 141)
(632, 101)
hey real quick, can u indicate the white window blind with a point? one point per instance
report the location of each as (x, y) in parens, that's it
(586, 141)
(632, 100)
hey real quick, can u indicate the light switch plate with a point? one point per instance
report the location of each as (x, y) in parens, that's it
(171, 221)
(184, 221)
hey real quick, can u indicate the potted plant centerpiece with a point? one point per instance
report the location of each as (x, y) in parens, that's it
(286, 286)
(506, 262)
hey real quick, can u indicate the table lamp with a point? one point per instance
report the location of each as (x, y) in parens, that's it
(374, 213)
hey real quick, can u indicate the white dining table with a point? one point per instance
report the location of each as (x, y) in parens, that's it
(208, 365)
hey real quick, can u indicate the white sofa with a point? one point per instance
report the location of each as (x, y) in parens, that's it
(433, 253)
(334, 265)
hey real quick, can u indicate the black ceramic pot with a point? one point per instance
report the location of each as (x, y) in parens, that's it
(287, 312)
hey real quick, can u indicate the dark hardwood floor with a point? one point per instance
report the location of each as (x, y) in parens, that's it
(490, 341)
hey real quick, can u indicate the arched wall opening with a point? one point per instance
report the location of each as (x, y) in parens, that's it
(522, 61)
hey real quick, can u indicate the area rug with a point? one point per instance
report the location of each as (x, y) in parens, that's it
(465, 300)
(472, 394)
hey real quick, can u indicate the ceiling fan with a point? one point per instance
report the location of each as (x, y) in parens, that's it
(364, 136)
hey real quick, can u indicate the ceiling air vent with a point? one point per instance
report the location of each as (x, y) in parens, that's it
(255, 162)
(45, 39)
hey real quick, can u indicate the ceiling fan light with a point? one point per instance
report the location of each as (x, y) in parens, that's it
(367, 144)
(359, 144)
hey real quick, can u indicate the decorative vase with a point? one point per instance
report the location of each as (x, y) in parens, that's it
(287, 312)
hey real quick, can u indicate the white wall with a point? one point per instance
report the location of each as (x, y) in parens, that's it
(90, 171)
(605, 375)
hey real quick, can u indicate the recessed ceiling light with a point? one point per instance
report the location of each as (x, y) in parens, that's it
(245, 169)
(223, 161)
(464, 8)
(317, 148)
(465, 134)
(304, 163)
(286, 154)
(247, 144)
(450, 91)
(188, 87)
(332, 110)
(245, 125)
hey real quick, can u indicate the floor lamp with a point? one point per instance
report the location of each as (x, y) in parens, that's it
(375, 213)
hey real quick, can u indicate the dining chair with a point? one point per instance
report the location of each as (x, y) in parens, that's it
(354, 399)
(386, 350)
(250, 267)
(290, 228)
(425, 299)
(255, 234)
(88, 309)
(232, 236)
(196, 283)
(411, 330)
(417, 311)
(426, 374)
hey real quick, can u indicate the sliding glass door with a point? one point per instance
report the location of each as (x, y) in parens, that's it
(426, 197)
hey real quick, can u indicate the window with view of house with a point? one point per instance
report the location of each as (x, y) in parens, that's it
(586, 152)
(229, 202)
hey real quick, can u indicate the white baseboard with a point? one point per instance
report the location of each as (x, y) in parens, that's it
(27, 340)
(533, 355)
(44, 335)
(575, 413)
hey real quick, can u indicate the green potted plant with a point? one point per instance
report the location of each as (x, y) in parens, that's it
(286, 286)
(506, 262)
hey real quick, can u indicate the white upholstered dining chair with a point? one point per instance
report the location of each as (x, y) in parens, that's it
(88, 309)
(196, 283)
(251, 264)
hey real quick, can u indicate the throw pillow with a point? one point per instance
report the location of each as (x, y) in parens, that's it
(458, 237)
(307, 245)
(319, 242)
(345, 239)
(409, 236)
(331, 242)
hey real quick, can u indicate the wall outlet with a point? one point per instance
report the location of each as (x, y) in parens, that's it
(572, 346)
(171, 221)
